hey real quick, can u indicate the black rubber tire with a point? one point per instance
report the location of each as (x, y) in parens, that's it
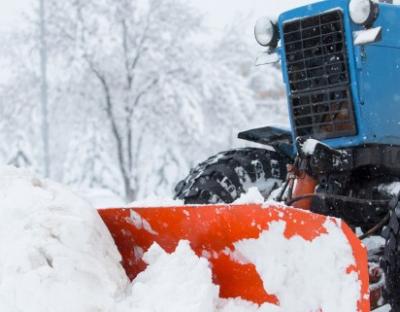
(225, 176)
(391, 260)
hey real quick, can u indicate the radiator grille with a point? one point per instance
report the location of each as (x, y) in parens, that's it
(319, 80)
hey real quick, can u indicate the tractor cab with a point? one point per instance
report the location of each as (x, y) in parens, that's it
(335, 56)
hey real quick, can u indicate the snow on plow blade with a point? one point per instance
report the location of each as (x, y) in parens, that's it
(220, 233)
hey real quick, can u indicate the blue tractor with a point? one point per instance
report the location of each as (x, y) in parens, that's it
(341, 66)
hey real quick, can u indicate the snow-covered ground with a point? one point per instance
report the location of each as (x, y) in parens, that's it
(56, 255)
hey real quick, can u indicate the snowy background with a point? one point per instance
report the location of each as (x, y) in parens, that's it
(138, 91)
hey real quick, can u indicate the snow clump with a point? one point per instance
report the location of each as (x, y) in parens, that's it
(294, 266)
(252, 196)
(55, 252)
(179, 282)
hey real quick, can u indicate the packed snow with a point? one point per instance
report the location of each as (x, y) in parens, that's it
(55, 252)
(308, 147)
(253, 195)
(296, 267)
(179, 282)
(56, 255)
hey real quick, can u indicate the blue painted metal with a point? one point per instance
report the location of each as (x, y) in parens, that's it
(374, 71)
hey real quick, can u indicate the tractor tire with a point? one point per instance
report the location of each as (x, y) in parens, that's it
(391, 260)
(224, 177)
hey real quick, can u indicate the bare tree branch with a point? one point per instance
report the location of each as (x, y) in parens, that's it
(117, 136)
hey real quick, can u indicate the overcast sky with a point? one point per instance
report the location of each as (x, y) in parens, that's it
(218, 12)
(221, 12)
(9, 11)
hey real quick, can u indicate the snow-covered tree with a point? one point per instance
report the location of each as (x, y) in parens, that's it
(240, 52)
(18, 89)
(151, 80)
(88, 163)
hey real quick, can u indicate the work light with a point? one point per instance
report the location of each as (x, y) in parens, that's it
(363, 12)
(266, 32)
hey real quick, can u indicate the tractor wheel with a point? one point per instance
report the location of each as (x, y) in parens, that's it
(225, 176)
(391, 260)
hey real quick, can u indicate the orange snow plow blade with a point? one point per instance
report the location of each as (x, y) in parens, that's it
(213, 231)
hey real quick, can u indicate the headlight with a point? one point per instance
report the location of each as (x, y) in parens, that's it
(266, 32)
(363, 12)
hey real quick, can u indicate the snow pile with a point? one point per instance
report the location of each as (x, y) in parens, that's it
(309, 146)
(179, 282)
(252, 196)
(56, 255)
(237, 305)
(55, 252)
(296, 266)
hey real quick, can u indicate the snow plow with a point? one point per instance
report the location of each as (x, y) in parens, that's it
(339, 164)
(216, 232)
